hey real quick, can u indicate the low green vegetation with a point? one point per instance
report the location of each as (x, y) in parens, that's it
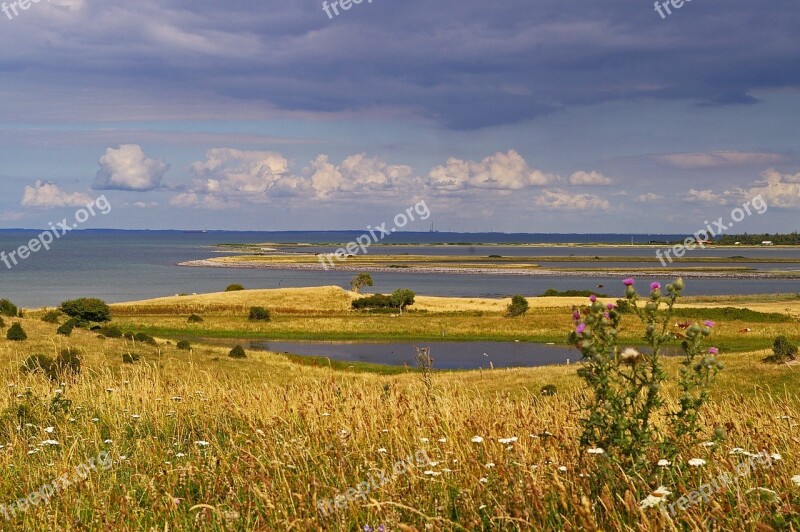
(518, 306)
(86, 310)
(552, 292)
(16, 333)
(7, 308)
(234, 288)
(259, 314)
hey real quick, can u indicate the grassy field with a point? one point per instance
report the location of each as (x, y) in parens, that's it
(199, 441)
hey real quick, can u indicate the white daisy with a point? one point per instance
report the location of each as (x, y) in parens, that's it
(664, 463)
(202, 443)
(506, 441)
(477, 439)
(490, 465)
(796, 479)
(442, 440)
(655, 498)
(697, 462)
(382, 450)
(483, 480)
(597, 450)
(50, 430)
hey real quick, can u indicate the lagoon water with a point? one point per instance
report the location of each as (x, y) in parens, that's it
(131, 265)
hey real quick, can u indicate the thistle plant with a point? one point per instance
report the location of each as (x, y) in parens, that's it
(626, 383)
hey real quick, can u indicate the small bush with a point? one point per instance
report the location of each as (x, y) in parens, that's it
(111, 331)
(183, 345)
(66, 328)
(518, 306)
(68, 361)
(259, 314)
(128, 335)
(549, 390)
(16, 333)
(38, 364)
(7, 308)
(237, 352)
(145, 339)
(130, 358)
(234, 288)
(51, 316)
(194, 318)
(372, 302)
(2, 323)
(782, 351)
(87, 309)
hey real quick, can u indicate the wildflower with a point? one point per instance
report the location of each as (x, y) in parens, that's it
(708, 444)
(424, 440)
(628, 282)
(202, 443)
(631, 356)
(777, 457)
(655, 498)
(50, 430)
(95, 420)
(483, 480)
(664, 463)
(259, 432)
(506, 441)
(713, 351)
(442, 440)
(325, 414)
(592, 298)
(655, 286)
(596, 450)
(697, 462)
(477, 439)
(382, 450)
(563, 469)
(431, 473)
(610, 306)
(796, 479)
(50, 442)
(179, 455)
(490, 465)
(580, 328)
(135, 416)
(177, 399)
(576, 315)
(108, 441)
(709, 323)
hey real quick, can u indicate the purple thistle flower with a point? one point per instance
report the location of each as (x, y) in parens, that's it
(709, 323)
(576, 315)
(580, 328)
(713, 350)
(628, 282)
(606, 315)
(592, 298)
(610, 306)
(655, 286)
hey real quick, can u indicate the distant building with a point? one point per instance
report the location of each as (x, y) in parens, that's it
(767, 243)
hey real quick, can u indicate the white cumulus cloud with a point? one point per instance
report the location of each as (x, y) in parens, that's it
(589, 179)
(777, 190)
(47, 195)
(501, 171)
(127, 168)
(561, 200)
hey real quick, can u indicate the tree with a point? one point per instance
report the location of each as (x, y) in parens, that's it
(86, 309)
(236, 287)
(16, 333)
(518, 306)
(402, 297)
(360, 281)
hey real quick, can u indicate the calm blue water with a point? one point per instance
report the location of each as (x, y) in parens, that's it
(129, 265)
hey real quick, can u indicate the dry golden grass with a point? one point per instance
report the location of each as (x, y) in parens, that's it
(282, 437)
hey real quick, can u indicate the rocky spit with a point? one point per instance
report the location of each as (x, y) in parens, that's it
(692, 274)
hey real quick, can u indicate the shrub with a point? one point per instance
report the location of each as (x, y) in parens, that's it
(145, 339)
(130, 358)
(111, 331)
(782, 351)
(194, 318)
(51, 316)
(183, 345)
(549, 390)
(259, 314)
(234, 288)
(16, 333)
(627, 384)
(360, 281)
(68, 361)
(66, 328)
(237, 352)
(371, 302)
(7, 308)
(87, 309)
(518, 306)
(2, 323)
(38, 364)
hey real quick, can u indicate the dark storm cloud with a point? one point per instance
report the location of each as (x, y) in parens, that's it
(464, 64)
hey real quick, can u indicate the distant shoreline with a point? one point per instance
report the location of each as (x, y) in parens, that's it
(210, 263)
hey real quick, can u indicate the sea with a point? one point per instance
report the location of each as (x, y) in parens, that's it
(117, 265)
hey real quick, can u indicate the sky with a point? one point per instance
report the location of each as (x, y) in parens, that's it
(515, 116)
